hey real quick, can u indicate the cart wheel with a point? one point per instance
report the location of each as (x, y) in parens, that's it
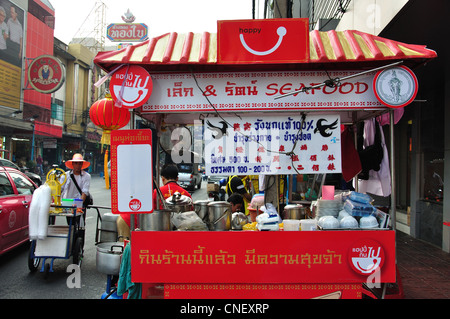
(33, 262)
(78, 251)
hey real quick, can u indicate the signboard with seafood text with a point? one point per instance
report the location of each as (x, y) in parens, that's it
(256, 91)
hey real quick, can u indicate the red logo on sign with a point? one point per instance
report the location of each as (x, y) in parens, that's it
(46, 74)
(131, 86)
(268, 40)
(366, 256)
(135, 205)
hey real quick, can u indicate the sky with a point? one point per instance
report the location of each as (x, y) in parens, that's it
(78, 19)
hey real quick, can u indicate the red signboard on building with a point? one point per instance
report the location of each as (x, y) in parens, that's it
(132, 32)
(266, 40)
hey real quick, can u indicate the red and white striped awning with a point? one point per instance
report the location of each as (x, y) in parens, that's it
(349, 49)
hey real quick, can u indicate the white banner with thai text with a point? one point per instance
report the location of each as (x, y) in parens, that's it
(256, 91)
(272, 145)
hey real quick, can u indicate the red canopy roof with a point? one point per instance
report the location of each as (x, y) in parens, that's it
(332, 49)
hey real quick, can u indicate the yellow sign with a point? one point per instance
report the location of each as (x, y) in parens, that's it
(10, 78)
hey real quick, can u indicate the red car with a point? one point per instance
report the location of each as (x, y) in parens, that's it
(16, 192)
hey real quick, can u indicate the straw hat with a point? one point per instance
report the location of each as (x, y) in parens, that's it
(77, 158)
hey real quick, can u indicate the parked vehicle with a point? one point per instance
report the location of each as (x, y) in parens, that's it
(215, 187)
(16, 193)
(34, 177)
(189, 176)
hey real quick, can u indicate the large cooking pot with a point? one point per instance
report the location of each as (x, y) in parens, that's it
(201, 209)
(109, 257)
(178, 203)
(219, 215)
(295, 211)
(108, 231)
(158, 220)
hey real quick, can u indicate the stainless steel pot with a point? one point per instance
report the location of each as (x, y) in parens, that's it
(158, 220)
(219, 215)
(178, 203)
(109, 257)
(108, 231)
(201, 209)
(295, 211)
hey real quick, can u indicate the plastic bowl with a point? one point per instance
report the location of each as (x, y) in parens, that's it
(328, 222)
(348, 222)
(343, 213)
(368, 222)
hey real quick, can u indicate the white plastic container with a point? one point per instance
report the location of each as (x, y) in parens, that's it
(291, 224)
(308, 224)
(78, 202)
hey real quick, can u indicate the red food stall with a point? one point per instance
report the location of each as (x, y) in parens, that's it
(264, 74)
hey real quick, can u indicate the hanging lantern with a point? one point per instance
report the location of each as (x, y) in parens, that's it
(108, 117)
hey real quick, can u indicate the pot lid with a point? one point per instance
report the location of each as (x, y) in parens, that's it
(293, 206)
(178, 199)
(111, 247)
(202, 202)
(219, 203)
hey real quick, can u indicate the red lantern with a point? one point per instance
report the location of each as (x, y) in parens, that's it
(107, 116)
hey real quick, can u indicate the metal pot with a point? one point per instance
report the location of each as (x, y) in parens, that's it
(219, 215)
(158, 220)
(238, 220)
(201, 209)
(178, 203)
(295, 211)
(109, 228)
(109, 257)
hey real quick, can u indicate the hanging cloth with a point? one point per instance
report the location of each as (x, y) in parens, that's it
(378, 182)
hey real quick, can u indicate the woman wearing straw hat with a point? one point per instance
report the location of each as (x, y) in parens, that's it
(77, 165)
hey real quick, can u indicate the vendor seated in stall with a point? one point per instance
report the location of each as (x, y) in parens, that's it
(169, 177)
(234, 185)
(237, 203)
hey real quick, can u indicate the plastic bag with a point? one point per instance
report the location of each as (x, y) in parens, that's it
(360, 198)
(188, 221)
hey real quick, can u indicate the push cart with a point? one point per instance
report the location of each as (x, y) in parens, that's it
(62, 241)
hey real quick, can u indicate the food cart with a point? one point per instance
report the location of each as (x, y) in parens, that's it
(272, 86)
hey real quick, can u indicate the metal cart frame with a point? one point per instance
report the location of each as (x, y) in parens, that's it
(71, 236)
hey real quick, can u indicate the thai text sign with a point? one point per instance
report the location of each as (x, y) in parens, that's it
(265, 40)
(256, 91)
(132, 32)
(262, 257)
(272, 145)
(131, 171)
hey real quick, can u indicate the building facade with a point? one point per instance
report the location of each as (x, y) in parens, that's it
(53, 125)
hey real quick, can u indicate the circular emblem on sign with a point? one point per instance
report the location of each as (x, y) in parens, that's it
(366, 256)
(135, 205)
(46, 74)
(131, 86)
(395, 87)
